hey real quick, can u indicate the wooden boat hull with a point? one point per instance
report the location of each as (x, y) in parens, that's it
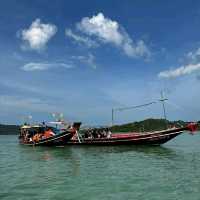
(130, 139)
(57, 140)
(154, 138)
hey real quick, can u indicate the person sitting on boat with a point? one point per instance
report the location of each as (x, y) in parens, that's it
(72, 128)
(90, 134)
(26, 137)
(99, 134)
(104, 133)
(36, 137)
(109, 133)
(85, 134)
(94, 133)
(48, 133)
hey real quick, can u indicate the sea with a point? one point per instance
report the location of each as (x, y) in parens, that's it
(167, 172)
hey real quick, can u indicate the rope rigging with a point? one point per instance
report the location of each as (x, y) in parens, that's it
(162, 100)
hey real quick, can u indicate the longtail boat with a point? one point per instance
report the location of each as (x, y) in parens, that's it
(146, 138)
(42, 135)
(95, 137)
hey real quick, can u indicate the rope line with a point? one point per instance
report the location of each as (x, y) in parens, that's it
(132, 107)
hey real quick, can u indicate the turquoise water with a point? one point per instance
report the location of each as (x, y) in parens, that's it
(171, 171)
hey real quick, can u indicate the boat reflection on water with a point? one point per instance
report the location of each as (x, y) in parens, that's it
(78, 160)
(52, 157)
(156, 151)
(74, 154)
(71, 152)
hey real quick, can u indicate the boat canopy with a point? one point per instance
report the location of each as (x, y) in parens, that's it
(25, 127)
(31, 126)
(36, 126)
(57, 123)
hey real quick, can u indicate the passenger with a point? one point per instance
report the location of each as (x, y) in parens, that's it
(98, 135)
(36, 137)
(86, 134)
(74, 137)
(104, 133)
(90, 134)
(26, 136)
(48, 133)
(109, 133)
(101, 133)
(95, 133)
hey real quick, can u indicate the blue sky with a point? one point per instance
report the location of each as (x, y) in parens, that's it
(83, 58)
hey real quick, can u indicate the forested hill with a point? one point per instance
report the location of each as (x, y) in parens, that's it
(9, 129)
(141, 126)
(148, 125)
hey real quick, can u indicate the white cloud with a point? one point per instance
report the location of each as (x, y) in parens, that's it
(106, 29)
(28, 104)
(88, 60)
(35, 67)
(38, 35)
(139, 50)
(194, 56)
(91, 61)
(44, 66)
(109, 31)
(183, 70)
(192, 64)
(80, 39)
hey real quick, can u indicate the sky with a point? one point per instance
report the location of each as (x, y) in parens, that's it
(83, 58)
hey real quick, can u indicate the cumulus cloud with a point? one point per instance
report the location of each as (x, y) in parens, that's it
(110, 31)
(44, 66)
(180, 71)
(37, 35)
(106, 29)
(80, 39)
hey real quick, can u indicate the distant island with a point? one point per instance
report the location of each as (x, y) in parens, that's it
(148, 125)
(9, 129)
(140, 126)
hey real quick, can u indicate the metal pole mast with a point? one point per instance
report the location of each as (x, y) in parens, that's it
(163, 104)
(112, 116)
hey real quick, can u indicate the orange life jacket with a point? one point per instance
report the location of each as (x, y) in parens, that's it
(36, 137)
(48, 134)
